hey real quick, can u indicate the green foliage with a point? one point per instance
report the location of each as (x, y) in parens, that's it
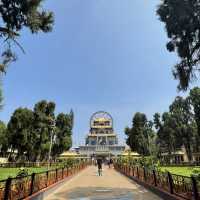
(3, 139)
(12, 172)
(166, 139)
(20, 128)
(184, 124)
(175, 129)
(195, 101)
(17, 15)
(181, 19)
(43, 127)
(70, 162)
(1, 97)
(22, 172)
(179, 170)
(139, 135)
(30, 132)
(196, 173)
(150, 162)
(64, 125)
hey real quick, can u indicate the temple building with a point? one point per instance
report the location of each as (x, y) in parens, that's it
(101, 139)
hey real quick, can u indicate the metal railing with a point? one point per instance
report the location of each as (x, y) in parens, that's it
(23, 187)
(28, 164)
(93, 148)
(182, 186)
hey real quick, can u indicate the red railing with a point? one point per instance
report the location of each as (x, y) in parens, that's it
(23, 187)
(181, 186)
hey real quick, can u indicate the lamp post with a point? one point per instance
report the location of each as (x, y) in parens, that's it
(51, 142)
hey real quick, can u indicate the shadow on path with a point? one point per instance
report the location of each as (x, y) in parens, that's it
(101, 193)
(89, 186)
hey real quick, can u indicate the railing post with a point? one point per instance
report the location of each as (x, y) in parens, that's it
(67, 171)
(133, 171)
(32, 183)
(170, 181)
(47, 174)
(137, 173)
(154, 177)
(56, 175)
(62, 172)
(195, 188)
(144, 174)
(7, 188)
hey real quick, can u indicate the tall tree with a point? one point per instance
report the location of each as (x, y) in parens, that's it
(43, 123)
(194, 98)
(32, 133)
(16, 15)
(184, 124)
(64, 125)
(138, 136)
(1, 98)
(3, 139)
(20, 135)
(195, 101)
(181, 19)
(166, 139)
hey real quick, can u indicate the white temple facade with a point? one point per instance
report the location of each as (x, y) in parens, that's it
(101, 139)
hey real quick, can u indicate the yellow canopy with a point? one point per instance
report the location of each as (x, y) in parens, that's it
(126, 153)
(69, 154)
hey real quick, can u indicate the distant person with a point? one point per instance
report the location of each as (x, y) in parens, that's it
(99, 165)
(110, 162)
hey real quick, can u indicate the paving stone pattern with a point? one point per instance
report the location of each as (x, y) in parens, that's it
(87, 185)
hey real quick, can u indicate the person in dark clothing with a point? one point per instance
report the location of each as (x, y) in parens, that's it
(99, 165)
(110, 162)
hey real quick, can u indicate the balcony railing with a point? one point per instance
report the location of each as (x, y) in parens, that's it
(101, 148)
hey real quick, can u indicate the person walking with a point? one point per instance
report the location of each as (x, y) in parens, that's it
(111, 162)
(99, 165)
(108, 163)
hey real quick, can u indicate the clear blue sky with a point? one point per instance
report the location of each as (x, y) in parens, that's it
(102, 55)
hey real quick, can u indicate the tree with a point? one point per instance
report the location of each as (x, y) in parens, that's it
(19, 14)
(44, 118)
(3, 139)
(184, 124)
(64, 125)
(138, 136)
(195, 101)
(30, 132)
(181, 19)
(194, 98)
(1, 97)
(177, 127)
(166, 140)
(20, 135)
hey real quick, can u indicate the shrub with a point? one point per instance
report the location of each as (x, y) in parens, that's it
(196, 172)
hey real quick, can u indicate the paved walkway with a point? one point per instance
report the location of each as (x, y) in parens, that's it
(111, 186)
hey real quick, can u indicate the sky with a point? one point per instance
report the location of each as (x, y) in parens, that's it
(102, 55)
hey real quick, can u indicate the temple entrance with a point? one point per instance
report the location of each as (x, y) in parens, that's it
(102, 139)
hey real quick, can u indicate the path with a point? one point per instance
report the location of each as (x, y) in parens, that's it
(112, 185)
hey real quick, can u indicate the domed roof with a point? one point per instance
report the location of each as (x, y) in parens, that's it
(101, 116)
(102, 119)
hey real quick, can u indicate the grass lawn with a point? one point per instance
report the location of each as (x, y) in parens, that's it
(6, 172)
(184, 171)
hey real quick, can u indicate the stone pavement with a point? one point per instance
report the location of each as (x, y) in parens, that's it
(87, 185)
